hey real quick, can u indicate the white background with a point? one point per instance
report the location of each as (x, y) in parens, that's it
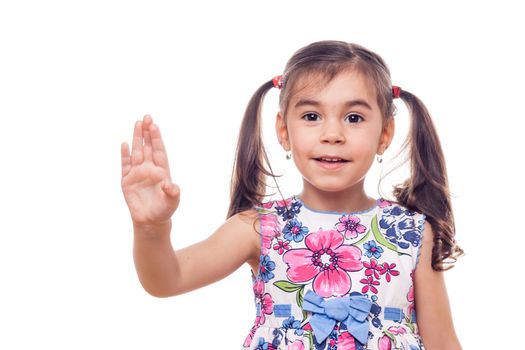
(74, 78)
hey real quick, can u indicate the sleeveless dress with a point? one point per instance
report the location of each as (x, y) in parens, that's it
(330, 280)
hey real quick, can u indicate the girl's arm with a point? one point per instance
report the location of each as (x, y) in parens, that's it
(164, 272)
(152, 198)
(434, 317)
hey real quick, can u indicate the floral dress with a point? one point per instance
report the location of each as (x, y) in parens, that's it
(330, 280)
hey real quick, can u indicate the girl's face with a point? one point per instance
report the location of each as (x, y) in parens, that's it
(334, 133)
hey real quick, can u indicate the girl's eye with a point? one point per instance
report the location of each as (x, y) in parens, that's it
(354, 118)
(311, 117)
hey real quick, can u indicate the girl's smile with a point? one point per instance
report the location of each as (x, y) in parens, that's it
(331, 163)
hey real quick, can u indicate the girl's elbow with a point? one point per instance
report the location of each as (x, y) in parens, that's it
(444, 342)
(157, 294)
(160, 292)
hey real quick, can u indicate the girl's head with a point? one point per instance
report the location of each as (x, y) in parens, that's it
(339, 118)
(320, 78)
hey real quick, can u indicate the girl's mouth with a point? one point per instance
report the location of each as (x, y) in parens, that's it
(331, 163)
(331, 160)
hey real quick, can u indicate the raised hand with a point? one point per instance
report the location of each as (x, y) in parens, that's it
(146, 182)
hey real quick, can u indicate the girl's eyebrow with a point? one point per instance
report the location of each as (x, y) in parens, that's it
(351, 103)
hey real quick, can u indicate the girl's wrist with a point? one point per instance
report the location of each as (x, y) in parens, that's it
(152, 230)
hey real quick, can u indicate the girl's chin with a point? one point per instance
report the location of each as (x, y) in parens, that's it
(329, 186)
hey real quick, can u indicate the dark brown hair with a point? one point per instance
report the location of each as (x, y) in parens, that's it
(425, 191)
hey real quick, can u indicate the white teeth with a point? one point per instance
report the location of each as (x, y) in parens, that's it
(331, 159)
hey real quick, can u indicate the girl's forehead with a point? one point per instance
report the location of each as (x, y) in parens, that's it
(348, 83)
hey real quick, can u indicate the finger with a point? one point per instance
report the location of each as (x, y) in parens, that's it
(172, 190)
(137, 151)
(147, 138)
(160, 157)
(126, 159)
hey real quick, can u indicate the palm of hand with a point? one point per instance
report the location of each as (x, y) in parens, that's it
(146, 182)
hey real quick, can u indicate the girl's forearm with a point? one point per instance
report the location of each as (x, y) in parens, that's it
(155, 259)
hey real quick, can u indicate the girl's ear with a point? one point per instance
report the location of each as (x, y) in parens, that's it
(386, 136)
(282, 132)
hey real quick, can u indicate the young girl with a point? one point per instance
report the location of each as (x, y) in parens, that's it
(332, 268)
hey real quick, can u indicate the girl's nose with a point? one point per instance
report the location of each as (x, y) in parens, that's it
(332, 133)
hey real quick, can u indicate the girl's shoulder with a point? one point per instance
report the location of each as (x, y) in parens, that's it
(392, 213)
(269, 205)
(396, 208)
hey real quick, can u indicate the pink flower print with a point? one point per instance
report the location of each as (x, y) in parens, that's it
(372, 268)
(410, 295)
(296, 345)
(410, 298)
(326, 260)
(350, 225)
(284, 203)
(270, 229)
(268, 205)
(264, 299)
(258, 288)
(281, 246)
(388, 269)
(396, 330)
(307, 327)
(370, 284)
(384, 343)
(345, 341)
(266, 306)
(249, 338)
(383, 203)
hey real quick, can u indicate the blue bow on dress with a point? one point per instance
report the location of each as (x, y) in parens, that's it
(352, 310)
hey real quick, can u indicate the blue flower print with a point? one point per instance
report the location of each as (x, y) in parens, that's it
(294, 230)
(296, 207)
(288, 213)
(278, 334)
(262, 345)
(292, 323)
(372, 249)
(400, 227)
(388, 222)
(359, 346)
(267, 266)
(413, 237)
(396, 211)
(406, 224)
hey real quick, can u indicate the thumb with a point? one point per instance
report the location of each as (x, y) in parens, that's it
(171, 189)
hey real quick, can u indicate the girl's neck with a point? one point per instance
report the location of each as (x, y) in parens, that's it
(348, 201)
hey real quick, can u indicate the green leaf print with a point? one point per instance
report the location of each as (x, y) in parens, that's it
(288, 286)
(409, 324)
(300, 298)
(379, 236)
(364, 238)
(310, 339)
(264, 211)
(391, 336)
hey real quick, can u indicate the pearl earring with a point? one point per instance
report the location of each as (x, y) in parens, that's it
(289, 155)
(379, 159)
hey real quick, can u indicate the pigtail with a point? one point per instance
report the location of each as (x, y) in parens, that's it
(427, 189)
(248, 183)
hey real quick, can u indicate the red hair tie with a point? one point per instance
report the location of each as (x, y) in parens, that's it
(396, 91)
(278, 81)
